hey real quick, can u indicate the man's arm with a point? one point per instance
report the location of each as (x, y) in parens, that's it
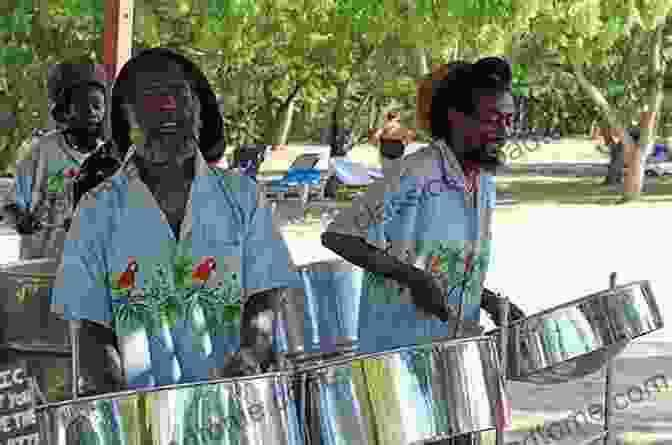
(17, 203)
(347, 236)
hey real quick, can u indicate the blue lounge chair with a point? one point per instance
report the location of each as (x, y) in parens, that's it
(303, 180)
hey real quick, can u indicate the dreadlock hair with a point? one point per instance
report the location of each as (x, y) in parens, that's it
(461, 88)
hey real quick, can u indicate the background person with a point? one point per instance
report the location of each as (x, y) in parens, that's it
(42, 192)
(392, 138)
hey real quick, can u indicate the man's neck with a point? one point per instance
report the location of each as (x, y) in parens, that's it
(82, 140)
(175, 171)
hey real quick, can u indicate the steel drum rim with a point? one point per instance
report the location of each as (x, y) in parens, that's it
(131, 392)
(527, 376)
(303, 266)
(638, 283)
(5, 269)
(28, 262)
(342, 361)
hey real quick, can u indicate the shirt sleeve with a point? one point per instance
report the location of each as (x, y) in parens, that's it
(21, 191)
(267, 261)
(81, 290)
(367, 210)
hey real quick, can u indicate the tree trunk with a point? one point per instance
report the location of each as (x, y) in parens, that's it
(616, 164)
(338, 115)
(285, 121)
(618, 130)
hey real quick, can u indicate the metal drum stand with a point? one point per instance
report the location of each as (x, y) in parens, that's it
(609, 372)
(504, 339)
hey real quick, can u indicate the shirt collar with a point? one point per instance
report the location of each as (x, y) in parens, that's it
(130, 169)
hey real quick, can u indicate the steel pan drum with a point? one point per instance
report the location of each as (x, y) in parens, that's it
(27, 322)
(324, 319)
(245, 411)
(411, 395)
(576, 339)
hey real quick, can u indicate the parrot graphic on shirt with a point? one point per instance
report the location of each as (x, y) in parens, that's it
(204, 271)
(127, 282)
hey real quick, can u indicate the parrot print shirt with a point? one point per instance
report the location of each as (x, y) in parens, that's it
(432, 214)
(44, 185)
(174, 305)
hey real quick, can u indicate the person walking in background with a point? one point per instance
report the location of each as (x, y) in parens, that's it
(392, 137)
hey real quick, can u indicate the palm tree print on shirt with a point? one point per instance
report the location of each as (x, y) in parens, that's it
(190, 295)
(449, 262)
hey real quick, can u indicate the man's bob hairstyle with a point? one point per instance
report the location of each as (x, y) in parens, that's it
(460, 89)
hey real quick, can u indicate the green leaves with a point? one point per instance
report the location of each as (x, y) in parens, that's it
(16, 56)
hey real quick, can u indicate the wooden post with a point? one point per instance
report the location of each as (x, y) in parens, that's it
(118, 36)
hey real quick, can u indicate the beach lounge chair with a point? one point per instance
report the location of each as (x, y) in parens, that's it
(302, 181)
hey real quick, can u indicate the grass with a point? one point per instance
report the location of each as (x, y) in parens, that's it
(574, 149)
(538, 190)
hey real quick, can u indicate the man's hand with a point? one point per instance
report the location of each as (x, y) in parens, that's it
(22, 220)
(428, 296)
(490, 303)
(241, 364)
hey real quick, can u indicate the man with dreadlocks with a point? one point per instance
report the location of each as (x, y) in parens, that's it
(164, 252)
(43, 189)
(423, 233)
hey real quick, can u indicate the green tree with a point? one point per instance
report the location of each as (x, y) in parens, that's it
(582, 35)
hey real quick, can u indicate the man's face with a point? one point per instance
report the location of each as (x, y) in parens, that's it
(487, 130)
(86, 109)
(163, 103)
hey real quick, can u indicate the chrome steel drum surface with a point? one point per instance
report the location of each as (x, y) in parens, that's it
(408, 396)
(577, 338)
(255, 410)
(26, 320)
(325, 318)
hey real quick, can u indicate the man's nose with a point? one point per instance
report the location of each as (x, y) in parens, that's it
(95, 110)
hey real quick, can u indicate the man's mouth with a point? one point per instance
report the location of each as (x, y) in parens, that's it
(168, 127)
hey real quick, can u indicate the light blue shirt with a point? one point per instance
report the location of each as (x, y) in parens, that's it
(176, 321)
(423, 216)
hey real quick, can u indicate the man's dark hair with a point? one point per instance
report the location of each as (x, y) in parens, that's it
(461, 89)
(154, 62)
(211, 137)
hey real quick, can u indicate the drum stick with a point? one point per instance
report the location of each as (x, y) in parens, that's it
(504, 307)
(504, 339)
(608, 389)
(74, 341)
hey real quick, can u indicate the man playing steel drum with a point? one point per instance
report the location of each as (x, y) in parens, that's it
(424, 234)
(44, 180)
(163, 252)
